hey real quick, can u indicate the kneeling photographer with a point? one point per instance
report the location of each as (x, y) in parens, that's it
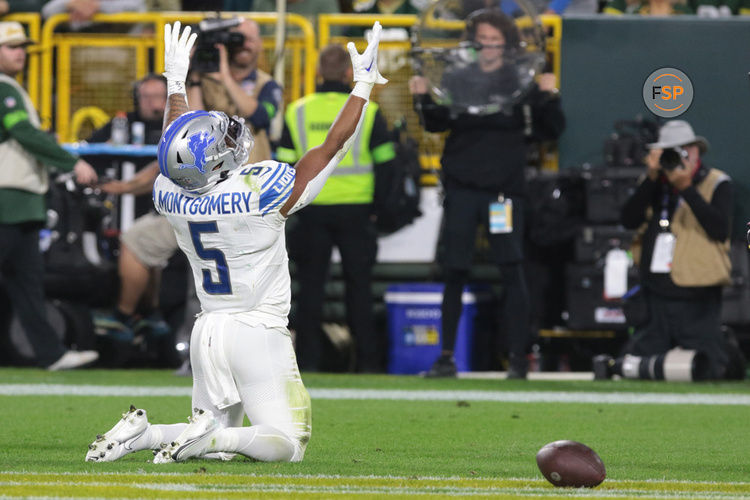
(685, 207)
(225, 77)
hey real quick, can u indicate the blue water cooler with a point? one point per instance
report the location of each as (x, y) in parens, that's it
(414, 329)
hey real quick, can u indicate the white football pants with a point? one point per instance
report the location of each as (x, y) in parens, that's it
(258, 365)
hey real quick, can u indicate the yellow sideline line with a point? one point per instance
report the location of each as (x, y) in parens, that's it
(339, 477)
(170, 485)
(283, 491)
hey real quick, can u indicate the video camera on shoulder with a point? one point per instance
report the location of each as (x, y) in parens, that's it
(671, 158)
(212, 32)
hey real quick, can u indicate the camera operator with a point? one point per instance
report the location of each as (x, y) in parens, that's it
(685, 206)
(238, 87)
(483, 171)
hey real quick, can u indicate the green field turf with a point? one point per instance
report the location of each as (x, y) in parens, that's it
(459, 445)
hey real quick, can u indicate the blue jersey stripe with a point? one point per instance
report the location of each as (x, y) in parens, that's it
(270, 192)
(267, 198)
(277, 173)
(280, 200)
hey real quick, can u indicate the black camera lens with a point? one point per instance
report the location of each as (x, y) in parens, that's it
(672, 158)
(212, 32)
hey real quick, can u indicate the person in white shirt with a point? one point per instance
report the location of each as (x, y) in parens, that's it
(229, 219)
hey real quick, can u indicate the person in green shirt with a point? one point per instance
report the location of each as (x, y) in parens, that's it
(12, 6)
(647, 8)
(26, 154)
(386, 7)
(310, 9)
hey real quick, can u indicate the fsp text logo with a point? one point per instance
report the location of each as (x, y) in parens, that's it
(668, 92)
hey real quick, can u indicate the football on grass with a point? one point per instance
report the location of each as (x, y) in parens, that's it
(570, 463)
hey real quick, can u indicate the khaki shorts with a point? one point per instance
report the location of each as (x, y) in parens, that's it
(151, 239)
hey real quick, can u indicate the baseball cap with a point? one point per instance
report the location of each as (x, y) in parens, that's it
(12, 33)
(678, 133)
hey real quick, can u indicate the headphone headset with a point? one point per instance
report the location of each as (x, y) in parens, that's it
(471, 24)
(510, 33)
(137, 86)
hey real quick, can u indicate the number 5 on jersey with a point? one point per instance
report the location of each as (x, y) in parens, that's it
(224, 285)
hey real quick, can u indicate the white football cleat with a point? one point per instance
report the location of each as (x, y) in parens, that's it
(193, 441)
(117, 442)
(71, 360)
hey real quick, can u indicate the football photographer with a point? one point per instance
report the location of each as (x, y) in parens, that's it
(239, 87)
(483, 174)
(684, 262)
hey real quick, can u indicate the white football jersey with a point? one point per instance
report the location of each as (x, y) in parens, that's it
(233, 236)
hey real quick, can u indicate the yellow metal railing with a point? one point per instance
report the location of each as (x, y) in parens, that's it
(551, 23)
(33, 23)
(97, 117)
(430, 144)
(302, 49)
(395, 100)
(56, 92)
(65, 78)
(325, 21)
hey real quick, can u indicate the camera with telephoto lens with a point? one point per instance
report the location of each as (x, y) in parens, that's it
(210, 33)
(671, 158)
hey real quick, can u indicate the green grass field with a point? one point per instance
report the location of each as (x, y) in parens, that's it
(383, 435)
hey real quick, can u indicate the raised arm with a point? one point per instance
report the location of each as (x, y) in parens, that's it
(176, 62)
(317, 164)
(141, 183)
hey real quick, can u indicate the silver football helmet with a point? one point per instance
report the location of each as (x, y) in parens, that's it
(199, 148)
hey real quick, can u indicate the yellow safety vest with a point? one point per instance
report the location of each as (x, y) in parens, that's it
(308, 120)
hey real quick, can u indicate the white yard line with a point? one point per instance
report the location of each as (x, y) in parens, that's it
(556, 376)
(402, 395)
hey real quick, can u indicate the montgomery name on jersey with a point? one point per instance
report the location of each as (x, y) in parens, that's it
(233, 236)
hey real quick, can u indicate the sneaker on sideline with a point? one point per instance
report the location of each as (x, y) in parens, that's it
(518, 368)
(193, 441)
(444, 367)
(117, 441)
(155, 324)
(516, 374)
(73, 359)
(107, 324)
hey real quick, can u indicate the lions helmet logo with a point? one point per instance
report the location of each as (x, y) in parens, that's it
(197, 144)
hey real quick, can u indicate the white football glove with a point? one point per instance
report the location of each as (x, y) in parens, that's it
(177, 51)
(365, 65)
